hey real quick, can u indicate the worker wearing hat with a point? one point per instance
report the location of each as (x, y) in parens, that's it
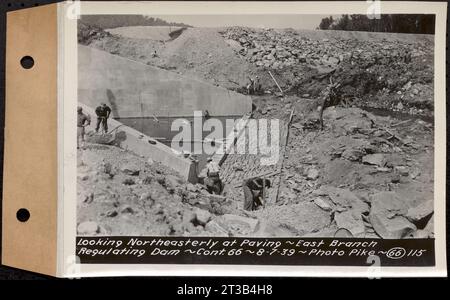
(212, 181)
(103, 111)
(83, 120)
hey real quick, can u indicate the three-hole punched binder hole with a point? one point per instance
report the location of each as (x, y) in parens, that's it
(23, 215)
(27, 62)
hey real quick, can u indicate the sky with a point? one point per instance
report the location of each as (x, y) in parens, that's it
(257, 21)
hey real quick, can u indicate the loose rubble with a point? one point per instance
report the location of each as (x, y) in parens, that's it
(384, 69)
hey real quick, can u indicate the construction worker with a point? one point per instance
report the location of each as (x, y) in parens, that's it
(407, 57)
(327, 98)
(83, 120)
(212, 181)
(254, 192)
(256, 85)
(103, 112)
(250, 86)
(206, 115)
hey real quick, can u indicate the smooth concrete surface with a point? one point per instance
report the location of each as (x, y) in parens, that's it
(133, 140)
(133, 89)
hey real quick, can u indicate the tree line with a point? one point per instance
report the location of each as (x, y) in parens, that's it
(404, 23)
(114, 21)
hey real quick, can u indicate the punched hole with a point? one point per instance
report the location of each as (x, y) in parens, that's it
(27, 62)
(23, 215)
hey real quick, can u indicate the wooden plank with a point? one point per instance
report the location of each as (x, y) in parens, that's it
(270, 73)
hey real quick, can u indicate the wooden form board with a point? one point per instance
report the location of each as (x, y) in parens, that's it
(30, 159)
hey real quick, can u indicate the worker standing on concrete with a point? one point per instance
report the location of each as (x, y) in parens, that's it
(103, 112)
(254, 192)
(83, 120)
(212, 181)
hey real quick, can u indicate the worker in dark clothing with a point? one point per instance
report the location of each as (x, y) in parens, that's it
(254, 192)
(254, 86)
(327, 99)
(103, 111)
(407, 57)
(206, 115)
(83, 120)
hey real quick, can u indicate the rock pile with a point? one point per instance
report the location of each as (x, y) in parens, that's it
(393, 71)
(89, 33)
(276, 49)
(272, 49)
(368, 178)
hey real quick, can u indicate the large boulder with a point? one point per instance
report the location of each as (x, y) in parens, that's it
(352, 154)
(172, 182)
(129, 169)
(349, 148)
(312, 174)
(422, 234)
(213, 228)
(146, 197)
(238, 225)
(430, 227)
(376, 159)
(387, 216)
(343, 199)
(188, 217)
(323, 204)
(349, 120)
(296, 219)
(421, 212)
(88, 228)
(202, 216)
(352, 221)
(270, 230)
(235, 45)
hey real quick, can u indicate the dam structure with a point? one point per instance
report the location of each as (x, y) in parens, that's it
(145, 100)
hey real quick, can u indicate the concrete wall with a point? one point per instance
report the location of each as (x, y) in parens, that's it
(138, 143)
(133, 89)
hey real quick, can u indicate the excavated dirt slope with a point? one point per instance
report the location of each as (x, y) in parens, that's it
(156, 33)
(200, 53)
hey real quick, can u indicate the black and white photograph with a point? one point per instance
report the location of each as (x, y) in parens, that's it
(276, 137)
(228, 139)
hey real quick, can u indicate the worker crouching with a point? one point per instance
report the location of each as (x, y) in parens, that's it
(254, 193)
